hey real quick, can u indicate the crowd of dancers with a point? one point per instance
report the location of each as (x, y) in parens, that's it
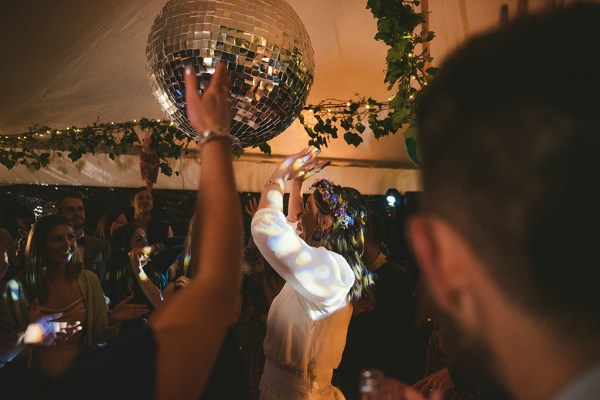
(505, 242)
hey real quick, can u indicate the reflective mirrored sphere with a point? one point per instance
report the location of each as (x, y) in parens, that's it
(264, 45)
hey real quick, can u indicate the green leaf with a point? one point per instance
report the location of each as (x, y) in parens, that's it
(432, 71)
(353, 138)
(412, 150)
(384, 26)
(347, 123)
(398, 24)
(265, 148)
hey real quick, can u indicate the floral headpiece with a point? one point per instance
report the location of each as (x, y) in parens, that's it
(345, 215)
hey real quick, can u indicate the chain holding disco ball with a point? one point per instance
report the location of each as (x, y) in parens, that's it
(264, 46)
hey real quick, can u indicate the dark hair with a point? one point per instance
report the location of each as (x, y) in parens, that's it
(119, 280)
(188, 259)
(9, 220)
(74, 195)
(375, 226)
(105, 222)
(140, 190)
(347, 240)
(35, 272)
(509, 157)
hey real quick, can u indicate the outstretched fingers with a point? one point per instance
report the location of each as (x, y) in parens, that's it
(316, 168)
(219, 81)
(67, 331)
(211, 110)
(298, 163)
(138, 310)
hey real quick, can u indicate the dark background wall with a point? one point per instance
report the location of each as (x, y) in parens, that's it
(177, 206)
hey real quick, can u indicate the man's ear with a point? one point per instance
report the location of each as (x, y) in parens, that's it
(442, 255)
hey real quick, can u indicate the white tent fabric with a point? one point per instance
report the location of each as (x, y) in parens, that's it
(250, 174)
(72, 62)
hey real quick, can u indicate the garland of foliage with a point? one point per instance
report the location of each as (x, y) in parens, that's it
(34, 148)
(407, 70)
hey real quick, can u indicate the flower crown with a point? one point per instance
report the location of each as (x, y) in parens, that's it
(343, 213)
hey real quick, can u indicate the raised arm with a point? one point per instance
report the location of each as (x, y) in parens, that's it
(296, 201)
(138, 259)
(180, 325)
(288, 254)
(295, 166)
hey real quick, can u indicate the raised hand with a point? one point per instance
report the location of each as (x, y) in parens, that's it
(182, 281)
(318, 167)
(251, 207)
(298, 165)
(439, 380)
(138, 258)
(211, 110)
(46, 331)
(124, 311)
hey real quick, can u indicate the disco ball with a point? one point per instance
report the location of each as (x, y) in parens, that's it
(264, 45)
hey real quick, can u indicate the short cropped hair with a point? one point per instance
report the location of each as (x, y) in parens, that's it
(509, 140)
(74, 195)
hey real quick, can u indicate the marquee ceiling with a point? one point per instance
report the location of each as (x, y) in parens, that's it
(71, 62)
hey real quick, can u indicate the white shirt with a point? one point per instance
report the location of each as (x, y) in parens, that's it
(308, 320)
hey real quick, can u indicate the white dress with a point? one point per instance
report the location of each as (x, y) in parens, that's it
(308, 320)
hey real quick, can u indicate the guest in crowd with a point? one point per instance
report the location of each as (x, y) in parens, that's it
(173, 355)
(378, 336)
(108, 223)
(507, 237)
(119, 281)
(95, 252)
(227, 380)
(53, 281)
(260, 286)
(157, 230)
(324, 274)
(17, 220)
(180, 272)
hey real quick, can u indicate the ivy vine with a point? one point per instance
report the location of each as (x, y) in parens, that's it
(33, 148)
(408, 71)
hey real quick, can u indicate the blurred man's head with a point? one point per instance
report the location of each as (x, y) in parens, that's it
(71, 206)
(509, 146)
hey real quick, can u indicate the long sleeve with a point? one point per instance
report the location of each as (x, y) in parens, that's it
(98, 328)
(319, 275)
